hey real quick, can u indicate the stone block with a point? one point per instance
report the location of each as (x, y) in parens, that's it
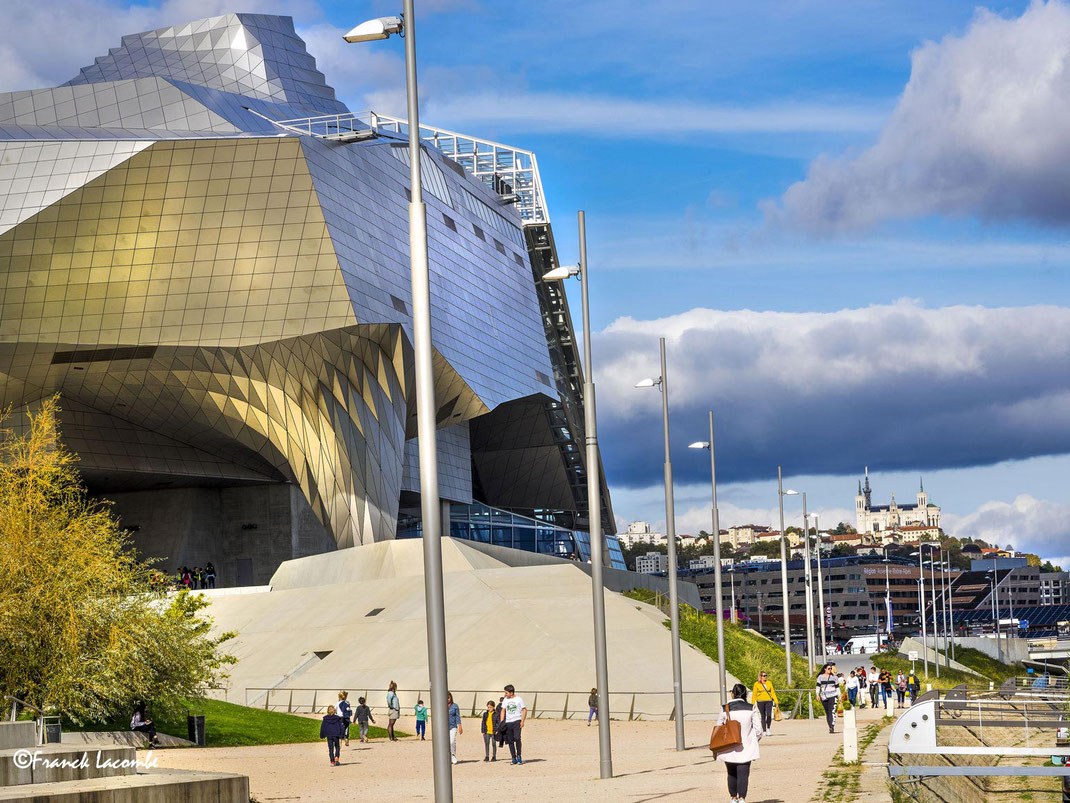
(17, 734)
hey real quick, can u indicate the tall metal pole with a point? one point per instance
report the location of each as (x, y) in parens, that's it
(887, 599)
(670, 526)
(951, 605)
(594, 516)
(820, 592)
(784, 577)
(943, 610)
(808, 581)
(921, 607)
(425, 427)
(717, 571)
(936, 623)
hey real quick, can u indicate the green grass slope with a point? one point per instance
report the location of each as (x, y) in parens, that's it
(230, 725)
(746, 652)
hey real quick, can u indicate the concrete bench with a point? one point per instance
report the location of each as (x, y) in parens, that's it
(159, 786)
(54, 762)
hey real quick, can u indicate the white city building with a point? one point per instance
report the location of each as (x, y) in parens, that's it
(870, 518)
(639, 532)
(652, 563)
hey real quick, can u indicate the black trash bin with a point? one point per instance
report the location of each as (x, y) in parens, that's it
(195, 728)
(52, 731)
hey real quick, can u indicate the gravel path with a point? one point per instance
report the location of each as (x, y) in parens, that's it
(561, 765)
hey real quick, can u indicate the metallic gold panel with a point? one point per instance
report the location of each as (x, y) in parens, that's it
(175, 210)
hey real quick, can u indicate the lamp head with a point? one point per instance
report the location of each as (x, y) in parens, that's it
(371, 30)
(790, 492)
(648, 383)
(699, 445)
(561, 272)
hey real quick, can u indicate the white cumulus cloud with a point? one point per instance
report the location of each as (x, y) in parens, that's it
(1028, 524)
(981, 129)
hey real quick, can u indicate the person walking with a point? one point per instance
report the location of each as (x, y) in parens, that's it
(456, 729)
(764, 696)
(393, 706)
(345, 711)
(331, 728)
(737, 761)
(885, 678)
(913, 686)
(860, 675)
(141, 723)
(828, 692)
(421, 719)
(488, 726)
(873, 681)
(516, 712)
(592, 703)
(209, 574)
(362, 713)
(852, 688)
(900, 689)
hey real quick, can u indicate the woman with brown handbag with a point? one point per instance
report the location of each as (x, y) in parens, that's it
(738, 759)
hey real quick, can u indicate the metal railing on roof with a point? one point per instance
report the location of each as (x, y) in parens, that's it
(510, 172)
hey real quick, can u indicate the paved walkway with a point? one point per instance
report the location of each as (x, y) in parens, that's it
(561, 764)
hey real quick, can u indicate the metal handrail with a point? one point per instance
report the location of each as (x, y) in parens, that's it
(574, 702)
(23, 703)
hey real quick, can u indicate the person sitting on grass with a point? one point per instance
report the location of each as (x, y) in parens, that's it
(141, 723)
(332, 728)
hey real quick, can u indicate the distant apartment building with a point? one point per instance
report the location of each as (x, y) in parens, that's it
(707, 562)
(745, 534)
(1054, 588)
(639, 532)
(870, 518)
(652, 563)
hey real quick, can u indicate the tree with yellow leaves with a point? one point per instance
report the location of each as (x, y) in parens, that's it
(84, 628)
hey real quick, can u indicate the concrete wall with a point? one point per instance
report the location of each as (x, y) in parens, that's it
(614, 579)
(246, 531)
(1014, 650)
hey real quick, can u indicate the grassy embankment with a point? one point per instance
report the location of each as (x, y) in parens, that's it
(746, 652)
(989, 668)
(230, 725)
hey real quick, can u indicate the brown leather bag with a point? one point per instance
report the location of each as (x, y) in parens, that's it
(726, 737)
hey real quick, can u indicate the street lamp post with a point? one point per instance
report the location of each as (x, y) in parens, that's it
(670, 527)
(808, 581)
(717, 563)
(594, 504)
(820, 591)
(951, 604)
(425, 403)
(784, 573)
(936, 621)
(921, 608)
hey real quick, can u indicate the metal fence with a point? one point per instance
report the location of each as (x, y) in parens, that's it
(542, 704)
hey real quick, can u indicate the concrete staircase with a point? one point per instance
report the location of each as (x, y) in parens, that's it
(71, 773)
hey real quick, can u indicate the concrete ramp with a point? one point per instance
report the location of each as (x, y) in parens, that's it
(359, 613)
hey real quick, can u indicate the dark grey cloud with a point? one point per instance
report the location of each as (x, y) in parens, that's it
(899, 385)
(981, 129)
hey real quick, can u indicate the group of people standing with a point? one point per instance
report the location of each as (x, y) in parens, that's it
(197, 577)
(500, 724)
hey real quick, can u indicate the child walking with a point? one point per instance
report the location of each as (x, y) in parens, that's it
(488, 727)
(362, 714)
(345, 711)
(421, 719)
(332, 728)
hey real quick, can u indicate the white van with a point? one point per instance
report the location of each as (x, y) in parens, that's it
(860, 644)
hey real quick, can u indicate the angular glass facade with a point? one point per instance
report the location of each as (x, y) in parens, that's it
(488, 525)
(222, 299)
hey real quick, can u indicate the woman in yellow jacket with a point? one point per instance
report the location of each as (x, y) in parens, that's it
(764, 696)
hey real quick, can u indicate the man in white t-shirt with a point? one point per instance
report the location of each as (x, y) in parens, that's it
(514, 712)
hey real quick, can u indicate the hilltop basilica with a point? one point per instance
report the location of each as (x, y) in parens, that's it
(870, 518)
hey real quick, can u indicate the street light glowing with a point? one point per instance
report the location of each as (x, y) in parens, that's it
(648, 382)
(371, 30)
(562, 272)
(699, 445)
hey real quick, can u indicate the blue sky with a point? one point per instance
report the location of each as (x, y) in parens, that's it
(848, 218)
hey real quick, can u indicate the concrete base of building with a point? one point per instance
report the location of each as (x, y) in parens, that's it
(244, 531)
(354, 619)
(160, 786)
